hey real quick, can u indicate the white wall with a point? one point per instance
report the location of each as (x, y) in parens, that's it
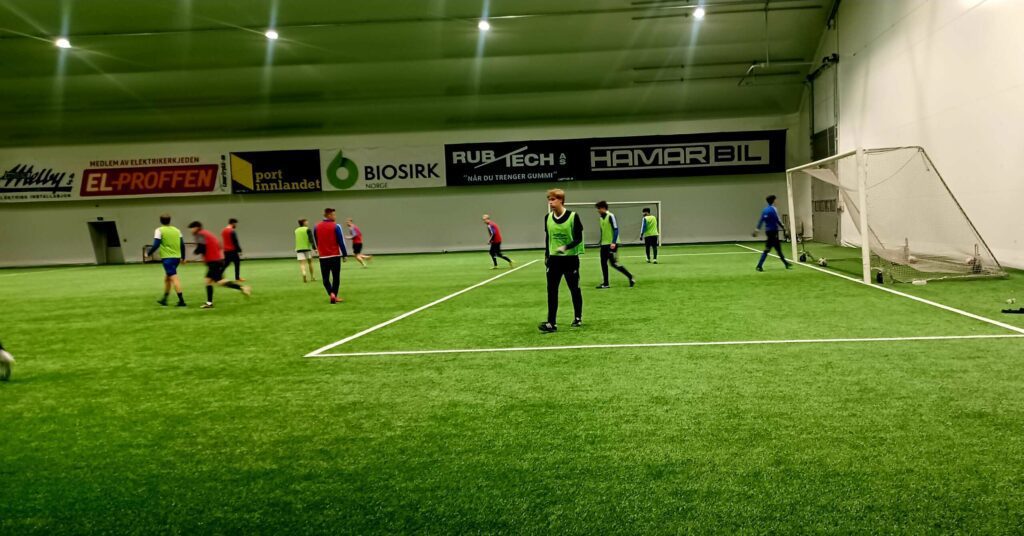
(410, 220)
(947, 75)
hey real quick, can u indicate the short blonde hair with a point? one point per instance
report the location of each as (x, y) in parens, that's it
(557, 193)
(485, 217)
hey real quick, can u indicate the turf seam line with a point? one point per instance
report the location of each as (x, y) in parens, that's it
(386, 323)
(668, 345)
(905, 295)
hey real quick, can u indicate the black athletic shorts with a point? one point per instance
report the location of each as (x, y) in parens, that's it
(357, 248)
(771, 239)
(215, 270)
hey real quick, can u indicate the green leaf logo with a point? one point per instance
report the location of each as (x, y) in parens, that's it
(346, 180)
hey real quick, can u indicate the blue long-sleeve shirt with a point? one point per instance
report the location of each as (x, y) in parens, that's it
(770, 219)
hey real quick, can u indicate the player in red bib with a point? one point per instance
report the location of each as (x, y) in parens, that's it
(495, 241)
(208, 246)
(330, 245)
(232, 249)
(356, 236)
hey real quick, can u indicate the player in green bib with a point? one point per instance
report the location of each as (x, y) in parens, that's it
(305, 243)
(563, 231)
(169, 242)
(649, 234)
(610, 245)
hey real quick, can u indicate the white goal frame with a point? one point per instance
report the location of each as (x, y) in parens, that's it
(862, 174)
(611, 204)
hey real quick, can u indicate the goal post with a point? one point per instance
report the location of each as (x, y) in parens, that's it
(891, 215)
(628, 214)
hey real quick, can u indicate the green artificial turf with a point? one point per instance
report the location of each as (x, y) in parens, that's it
(125, 417)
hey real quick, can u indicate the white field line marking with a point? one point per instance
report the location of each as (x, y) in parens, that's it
(668, 345)
(688, 254)
(898, 293)
(367, 331)
(66, 269)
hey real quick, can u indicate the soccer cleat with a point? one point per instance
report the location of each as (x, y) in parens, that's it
(162, 303)
(511, 264)
(241, 280)
(180, 304)
(247, 291)
(655, 261)
(334, 299)
(603, 285)
(632, 283)
(759, 269)
(648, 261)
(207, 305)
(789, 266)
(495, 267)
(547, 327)
(304, 279)
(578, 323)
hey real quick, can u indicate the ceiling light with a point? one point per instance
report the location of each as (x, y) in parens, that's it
(483, 25)
(699, 13)
(62, 43)
(271, 34)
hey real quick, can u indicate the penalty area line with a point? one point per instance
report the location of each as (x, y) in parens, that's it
(667, 345)
(987, 320)
(367, 331)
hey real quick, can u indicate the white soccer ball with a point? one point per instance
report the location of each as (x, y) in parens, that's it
(6, 360)
(823, 262)
(1011, 301)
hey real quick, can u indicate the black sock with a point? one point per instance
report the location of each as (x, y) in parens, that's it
(181, 298)
(232, 284)
(209, 293)
(165, 295)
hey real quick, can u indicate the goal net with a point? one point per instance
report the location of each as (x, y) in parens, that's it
(914, 227)
(628, 215)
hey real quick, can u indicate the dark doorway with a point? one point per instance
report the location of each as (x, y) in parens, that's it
(106, 242)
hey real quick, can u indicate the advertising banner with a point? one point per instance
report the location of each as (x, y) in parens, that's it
(633, 157)
(33, 180)
(382, 168)
(70, 175)
(470, 164)
(275, 172)
(686, 155)
(153, 176)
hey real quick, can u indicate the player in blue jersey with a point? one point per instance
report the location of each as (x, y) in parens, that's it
(772, 224)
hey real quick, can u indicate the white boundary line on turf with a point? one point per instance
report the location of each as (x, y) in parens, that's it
(905, 295)
(315, 353)
(66, 269)
(688, 254)
(668, 345)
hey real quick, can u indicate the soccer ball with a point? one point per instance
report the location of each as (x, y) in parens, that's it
(6, 360)
(911, 259)
(1011, 301)
(823, 262)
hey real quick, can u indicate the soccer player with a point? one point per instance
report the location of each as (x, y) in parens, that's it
(232, 250)
(772, 223)
(649, 234)
(6, 362)
(171, 244)
(208, 246)
(330, 244)
(304, 244)
(563, 230)
(494, 240)
(357, 242)
(610, 245)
